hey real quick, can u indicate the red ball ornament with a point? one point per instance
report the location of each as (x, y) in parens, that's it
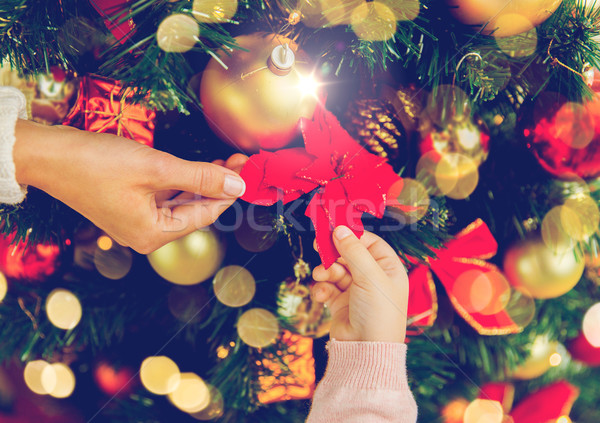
(581, 350)
(567, 142)
(35, 262)
(253, 97)
(114, 382)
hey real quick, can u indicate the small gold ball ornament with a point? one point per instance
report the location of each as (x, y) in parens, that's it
(502, 18)
(537, 270)
(254, 96)
(307, 317)
(258, 327)
(191, 259)
(538, 361)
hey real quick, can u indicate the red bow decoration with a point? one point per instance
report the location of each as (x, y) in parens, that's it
(543, 406)
(349, 180)
(460, 263)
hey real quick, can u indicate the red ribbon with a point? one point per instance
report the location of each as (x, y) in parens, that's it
(467, 251)
(543, 406)
(100, 108)
(349, 180)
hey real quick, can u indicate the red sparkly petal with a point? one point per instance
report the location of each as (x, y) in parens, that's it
(253, 174)
(339, 210)
(281, 169)
(323, 231)
(319, 172)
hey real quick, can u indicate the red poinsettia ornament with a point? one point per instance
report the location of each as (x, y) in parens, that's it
(349, 181)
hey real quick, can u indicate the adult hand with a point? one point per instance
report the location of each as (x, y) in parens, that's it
(142, 197)
(366, 290)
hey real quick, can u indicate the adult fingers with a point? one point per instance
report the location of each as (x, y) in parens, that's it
(236, 162)
(207, 179)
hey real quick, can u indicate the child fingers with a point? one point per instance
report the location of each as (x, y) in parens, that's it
(336, 274)
(323, 292)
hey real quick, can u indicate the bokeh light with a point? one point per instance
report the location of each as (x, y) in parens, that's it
(214, 11)
(553, 233)
(405, 10)
(113, 262)
(456, 176)
(215, 408)
(373, 21)
(58, 380)
(574, 124)
(521, 45)
(234, 286)
(591, 325)
(485, 292)
(192, 394)
(257, 231)
(63, 309)
(177, 33)
(520, 307)
(555, 359)
(258, 327)
(580, 216)
(483, 410)
(104, 242)
(33, 376)
(160, 375)
(408, 200)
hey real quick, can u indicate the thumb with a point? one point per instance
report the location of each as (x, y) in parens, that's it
(360, 262)
(206, 179)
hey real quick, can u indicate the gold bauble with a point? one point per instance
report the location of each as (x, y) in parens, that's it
(307, 317)
(536, 270)
(502, 18)
(252, 105)
(258, 327)
(234, 286)
(538, 361)
(191, 259)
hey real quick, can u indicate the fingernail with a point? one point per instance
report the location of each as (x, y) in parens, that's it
(234, 186)
(342, 232)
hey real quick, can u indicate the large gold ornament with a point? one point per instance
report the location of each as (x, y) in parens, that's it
(535, 269)
(253, 97)
(500, 17)
(539, 360)
(191, 259)
(308, 318)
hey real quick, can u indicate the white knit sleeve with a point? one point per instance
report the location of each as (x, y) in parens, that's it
(12, 106)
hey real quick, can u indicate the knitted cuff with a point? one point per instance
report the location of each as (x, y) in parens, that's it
(12, 106)
(367, 365)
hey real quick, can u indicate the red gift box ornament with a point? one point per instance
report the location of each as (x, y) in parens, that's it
(116, 15)
(471, 283)
(102, 106)
(348, 180)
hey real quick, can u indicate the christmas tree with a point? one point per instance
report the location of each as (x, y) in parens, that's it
(478, 162)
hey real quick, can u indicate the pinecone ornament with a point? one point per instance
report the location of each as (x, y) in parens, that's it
(384, 124)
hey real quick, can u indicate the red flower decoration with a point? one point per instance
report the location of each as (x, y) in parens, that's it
(349, 180)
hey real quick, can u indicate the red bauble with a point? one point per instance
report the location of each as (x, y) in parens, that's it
(581, 350)
(35, 262)
(114, 382)
(567, 143)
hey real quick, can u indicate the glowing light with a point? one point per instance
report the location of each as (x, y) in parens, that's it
(520, 45)
(58, 380)
(373, 21)
(177, 33)
(215, 407)
(482, 410)
(308, 85)
(454, 411)
(258, 327)
(160, 375)
(564, 419)
(33, 376)
(105, 243)
(214, 11)
(192, 394)
(409, 200)
(222, 352)
(456, 176)
(234, 286)
(555, 359)
(113, 263)
(580, 217)
(3, 286)
(553, 232)
(63, 309)
(482, 292)
(591, 325)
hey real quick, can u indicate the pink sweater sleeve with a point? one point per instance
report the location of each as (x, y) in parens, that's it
(365, 382)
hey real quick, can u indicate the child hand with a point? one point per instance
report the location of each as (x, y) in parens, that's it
(366, 290)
